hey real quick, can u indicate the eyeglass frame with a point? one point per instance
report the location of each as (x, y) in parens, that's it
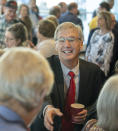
(69, 39)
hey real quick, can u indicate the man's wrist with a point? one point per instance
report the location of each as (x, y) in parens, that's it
(45, 109)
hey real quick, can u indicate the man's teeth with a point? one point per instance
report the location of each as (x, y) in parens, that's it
(67, 51)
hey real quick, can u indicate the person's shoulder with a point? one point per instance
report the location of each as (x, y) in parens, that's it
(16, 21)
(87, 64)
(78, 19)
(54, 62)
(90, 66)
(53, 59)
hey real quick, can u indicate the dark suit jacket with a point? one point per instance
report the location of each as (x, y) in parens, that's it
(91, 80)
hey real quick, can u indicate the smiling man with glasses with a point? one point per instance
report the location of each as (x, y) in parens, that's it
(88, 79)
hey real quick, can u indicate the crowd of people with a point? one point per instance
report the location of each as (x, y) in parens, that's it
(42, 74)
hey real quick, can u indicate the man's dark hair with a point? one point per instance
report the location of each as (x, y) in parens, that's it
(61, 4)
(72, 5)
(105, 5)
(55, 10)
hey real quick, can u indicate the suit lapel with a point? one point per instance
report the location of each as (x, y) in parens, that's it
(59, 79)
(82, 81)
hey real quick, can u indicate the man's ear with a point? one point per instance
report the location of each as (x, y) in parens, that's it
(81, 45)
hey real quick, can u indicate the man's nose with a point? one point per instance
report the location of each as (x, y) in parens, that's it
(67, 43)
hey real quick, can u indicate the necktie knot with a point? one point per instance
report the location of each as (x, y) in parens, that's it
(71, 74)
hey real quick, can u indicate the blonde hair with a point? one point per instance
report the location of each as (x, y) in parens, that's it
(24, 75)
(107, 109)
(108, 19)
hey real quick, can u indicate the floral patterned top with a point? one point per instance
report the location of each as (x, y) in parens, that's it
(91, 126)
(100, 50)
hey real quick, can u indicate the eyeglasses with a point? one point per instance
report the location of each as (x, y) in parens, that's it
(69, 39)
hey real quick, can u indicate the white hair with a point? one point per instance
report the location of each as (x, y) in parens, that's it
(24, 75)
(107, 105)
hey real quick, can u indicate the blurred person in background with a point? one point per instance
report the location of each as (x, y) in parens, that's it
(7, 19)
(114, 27)
(25, 19)
(34, 18)
(46, 43)
(16, 35)
(100, 49)
(56, 11)
(71, 15)
(54, 19)
(2, 4)
(63, 7)
(24, 83)
(37, 12)
(110, 2)
(103, 6)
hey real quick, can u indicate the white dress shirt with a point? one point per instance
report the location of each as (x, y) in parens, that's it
(67, 78)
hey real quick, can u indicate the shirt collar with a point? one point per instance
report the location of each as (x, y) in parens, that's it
(67, 70)
(10, 115)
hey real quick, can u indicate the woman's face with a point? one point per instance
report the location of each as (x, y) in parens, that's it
(10, 40)
(24, 11)
(101, 22)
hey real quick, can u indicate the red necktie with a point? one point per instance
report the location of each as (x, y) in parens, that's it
(28, 129)
(67, 125)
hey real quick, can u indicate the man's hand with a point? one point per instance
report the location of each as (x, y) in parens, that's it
(80, 117)
(49, 115)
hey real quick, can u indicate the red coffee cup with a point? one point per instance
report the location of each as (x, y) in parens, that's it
(76, 108)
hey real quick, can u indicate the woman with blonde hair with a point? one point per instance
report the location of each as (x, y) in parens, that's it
(100, 49)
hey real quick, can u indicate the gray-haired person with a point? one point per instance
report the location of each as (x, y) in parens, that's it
(25, 79)
(107, 110)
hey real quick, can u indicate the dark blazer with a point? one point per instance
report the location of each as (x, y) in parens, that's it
(91, 81)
